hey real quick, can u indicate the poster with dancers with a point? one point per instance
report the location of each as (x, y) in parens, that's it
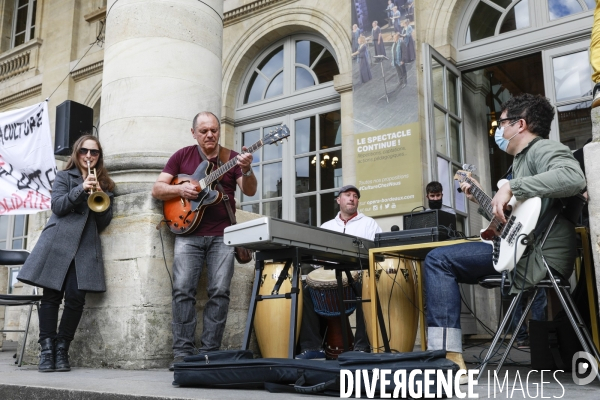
(386, 106)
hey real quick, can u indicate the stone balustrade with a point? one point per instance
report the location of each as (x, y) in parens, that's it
(239, 13)
(19, 60)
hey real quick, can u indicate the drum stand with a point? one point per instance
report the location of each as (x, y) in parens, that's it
(359, 300)
(294, 257)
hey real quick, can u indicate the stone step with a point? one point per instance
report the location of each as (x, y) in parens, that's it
(21, 392)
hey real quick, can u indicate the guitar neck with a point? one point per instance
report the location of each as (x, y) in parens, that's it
(216, 174)
(483, 199)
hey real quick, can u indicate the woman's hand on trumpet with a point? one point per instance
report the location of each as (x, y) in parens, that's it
(90, 182)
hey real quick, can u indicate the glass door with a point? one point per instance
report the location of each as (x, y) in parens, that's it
(446, 149)
(445, 137)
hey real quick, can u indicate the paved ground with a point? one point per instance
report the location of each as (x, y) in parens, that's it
(107, 384)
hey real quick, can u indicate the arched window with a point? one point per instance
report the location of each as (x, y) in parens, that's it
(313, 65)
(291, 82)
(490, 18)
(508, 47)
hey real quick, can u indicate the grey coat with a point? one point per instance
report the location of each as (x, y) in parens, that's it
(71, 233)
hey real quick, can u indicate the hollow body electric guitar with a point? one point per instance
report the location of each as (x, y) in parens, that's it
(183, 216)
(521, 219)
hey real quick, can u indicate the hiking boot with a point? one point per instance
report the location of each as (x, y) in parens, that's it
(47, 356)
(62, 355)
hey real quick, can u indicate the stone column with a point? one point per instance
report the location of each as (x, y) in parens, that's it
(162, 65)
(591, 154)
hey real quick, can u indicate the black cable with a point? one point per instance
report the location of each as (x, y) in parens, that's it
(207, 5)
(522, 288)
(462, 295)
(411, 216)
(69, 73)
(97, 41)
(395, 282)
(165, 257)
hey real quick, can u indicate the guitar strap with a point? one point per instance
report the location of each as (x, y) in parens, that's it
(224, 154)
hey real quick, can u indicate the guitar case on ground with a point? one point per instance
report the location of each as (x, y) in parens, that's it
(237, 369)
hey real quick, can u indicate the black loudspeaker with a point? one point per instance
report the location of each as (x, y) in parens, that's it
(73, 120)
(429, 219)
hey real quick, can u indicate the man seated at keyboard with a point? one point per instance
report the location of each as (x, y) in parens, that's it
(352, 222)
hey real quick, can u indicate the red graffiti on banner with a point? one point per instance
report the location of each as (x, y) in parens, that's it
(32, 201)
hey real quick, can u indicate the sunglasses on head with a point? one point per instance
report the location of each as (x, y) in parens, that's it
(83, 151)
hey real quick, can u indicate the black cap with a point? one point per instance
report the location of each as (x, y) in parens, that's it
(349, 187)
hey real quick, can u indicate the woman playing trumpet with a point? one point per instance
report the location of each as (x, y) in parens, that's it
(67, 259)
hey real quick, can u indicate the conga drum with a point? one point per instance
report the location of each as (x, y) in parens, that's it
(272, 316)
(323, 288)
(397, 287)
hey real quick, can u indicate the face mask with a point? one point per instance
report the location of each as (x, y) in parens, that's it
(435, 204)
(500, 141)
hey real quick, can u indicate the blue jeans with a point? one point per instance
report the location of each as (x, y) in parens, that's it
(191, 252)
(444, 269)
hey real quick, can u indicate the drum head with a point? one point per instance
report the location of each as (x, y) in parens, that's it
(325, 278)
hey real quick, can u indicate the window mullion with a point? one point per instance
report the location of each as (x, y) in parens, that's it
(318, 58)
(10, 233)
(494, 5)
(28, 22)
(289, 57)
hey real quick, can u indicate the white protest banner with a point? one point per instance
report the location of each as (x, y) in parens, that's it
(27, 165)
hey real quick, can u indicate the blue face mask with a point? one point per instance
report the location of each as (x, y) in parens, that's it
(500, 141)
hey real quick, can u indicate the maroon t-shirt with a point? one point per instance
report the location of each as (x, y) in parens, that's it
(215, 219)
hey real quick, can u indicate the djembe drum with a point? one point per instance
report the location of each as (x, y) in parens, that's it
(272, 316)
(323, 288)
(396, 283)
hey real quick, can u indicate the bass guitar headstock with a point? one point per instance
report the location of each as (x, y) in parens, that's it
(465, 173)
(276, 135)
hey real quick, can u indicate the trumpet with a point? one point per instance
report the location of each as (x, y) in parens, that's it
(97, 201)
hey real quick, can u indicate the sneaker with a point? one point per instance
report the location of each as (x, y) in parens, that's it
(523, 344)
(596, 96)
(178, 359)
(311, 355)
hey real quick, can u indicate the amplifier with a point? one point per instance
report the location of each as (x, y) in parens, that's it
(429, 219)
(412, 236)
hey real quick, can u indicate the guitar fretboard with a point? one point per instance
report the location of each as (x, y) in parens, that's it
(216, 174)
(483, 199)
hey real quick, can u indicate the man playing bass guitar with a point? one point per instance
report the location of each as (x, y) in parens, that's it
(541, 168)
(205, 243)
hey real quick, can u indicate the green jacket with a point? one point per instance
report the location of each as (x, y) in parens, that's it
(547, 169)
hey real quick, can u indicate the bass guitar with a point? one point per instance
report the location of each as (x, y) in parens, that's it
(183, 216)
(505, 238)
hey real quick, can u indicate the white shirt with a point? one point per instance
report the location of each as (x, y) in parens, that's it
(361, 226)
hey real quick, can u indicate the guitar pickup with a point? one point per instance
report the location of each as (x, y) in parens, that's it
(514, 233)
(508, 227)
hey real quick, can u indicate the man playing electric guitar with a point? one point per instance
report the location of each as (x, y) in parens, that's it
(205, 243)
(541, 168)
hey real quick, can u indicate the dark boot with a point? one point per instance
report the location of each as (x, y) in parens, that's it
(62, 355)
(46, 356)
